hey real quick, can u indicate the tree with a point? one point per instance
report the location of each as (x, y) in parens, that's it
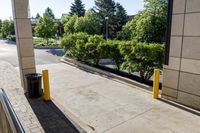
(37, 16)
(150, 24)
(116, 16)
(50, 12)
(0, 24)
(88, 23)
(77, 8)
(121, 16)
(69, 23)
(103, 9)
(79, 25)
(7, 28)
(46, 28)
(92, 24)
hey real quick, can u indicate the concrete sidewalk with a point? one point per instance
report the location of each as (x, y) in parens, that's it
(10, 82)
(35, 115)
(106, 106)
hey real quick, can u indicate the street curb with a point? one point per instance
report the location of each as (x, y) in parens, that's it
(104, 73)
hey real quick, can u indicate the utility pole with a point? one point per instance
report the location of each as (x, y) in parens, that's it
(107, 18)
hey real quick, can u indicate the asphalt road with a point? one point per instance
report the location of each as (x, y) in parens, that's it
(8, 53)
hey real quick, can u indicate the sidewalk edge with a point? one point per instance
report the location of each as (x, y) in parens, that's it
(75, 63)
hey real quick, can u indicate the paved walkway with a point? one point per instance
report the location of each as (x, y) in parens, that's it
(96, 103)
(108, 106)
(8, 53)
(35, 115)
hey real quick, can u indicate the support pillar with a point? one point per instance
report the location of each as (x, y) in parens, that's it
(24, 39)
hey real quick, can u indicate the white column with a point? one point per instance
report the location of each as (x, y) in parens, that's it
(24, 39)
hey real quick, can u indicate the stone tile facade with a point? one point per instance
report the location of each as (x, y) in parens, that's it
(24, 38)
(181, 81)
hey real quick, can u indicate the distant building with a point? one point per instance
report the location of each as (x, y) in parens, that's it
(130, 17)
(34, 21)
(64, 15)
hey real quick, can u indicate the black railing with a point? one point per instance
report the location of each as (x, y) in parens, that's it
(9, 121)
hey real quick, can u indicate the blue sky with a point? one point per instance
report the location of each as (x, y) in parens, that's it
(63, 6)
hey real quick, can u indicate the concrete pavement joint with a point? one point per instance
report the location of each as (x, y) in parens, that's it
(128, 120)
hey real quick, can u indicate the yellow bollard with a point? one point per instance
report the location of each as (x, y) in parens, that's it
(47, 96)
(156, 78)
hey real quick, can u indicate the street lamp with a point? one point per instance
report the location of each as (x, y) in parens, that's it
(106, 18)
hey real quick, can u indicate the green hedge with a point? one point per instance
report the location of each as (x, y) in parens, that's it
(128, 55)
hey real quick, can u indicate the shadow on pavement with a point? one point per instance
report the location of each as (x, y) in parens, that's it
(51, 117)
(10, 42)
(57, 52)
(193, 111)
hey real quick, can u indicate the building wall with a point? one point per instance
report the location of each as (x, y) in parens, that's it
(181, 77)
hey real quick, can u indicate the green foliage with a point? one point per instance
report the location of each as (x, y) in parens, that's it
(38, 40)
(110, 49)
(126, 47)
(69, 24)
(121, 16)
(42, 42)
(50, 13)
(82, 46)
(7, 28)
(128, 55)
(143, 58)
(127, 30)
(37, 16)
(79, 25)
(91, 46)
(92, 25)
(11, 38)
(81, 50)
(74, 24)
(114, 11)
(77, 8)
(150, 28)
(69, 43)
(149, 25)
(105, 8)
(0, 25)
(46, 28)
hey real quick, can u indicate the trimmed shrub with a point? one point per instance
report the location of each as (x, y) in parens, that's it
(110, 50)
(69, 43)
(143, 58)
(91, 46)
(128, 55)
(11, 38)
(81, 50)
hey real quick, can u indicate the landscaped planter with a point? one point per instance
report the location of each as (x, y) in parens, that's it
(111, 73)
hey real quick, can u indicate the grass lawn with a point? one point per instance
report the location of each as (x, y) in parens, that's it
(42, 42)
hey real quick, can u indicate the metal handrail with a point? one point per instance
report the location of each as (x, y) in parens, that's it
(11, 116)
